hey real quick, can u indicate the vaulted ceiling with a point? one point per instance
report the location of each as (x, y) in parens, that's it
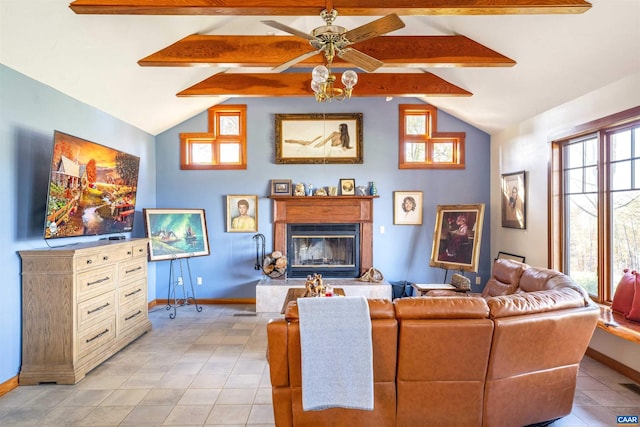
(491, 63)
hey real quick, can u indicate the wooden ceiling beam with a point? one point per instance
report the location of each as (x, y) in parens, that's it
(271, 51)
(299, 84)
(314, 7)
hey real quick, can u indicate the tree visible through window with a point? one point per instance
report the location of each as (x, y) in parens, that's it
(596, 215)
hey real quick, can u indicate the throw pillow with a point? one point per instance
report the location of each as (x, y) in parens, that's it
(623, 297)
(634, 313)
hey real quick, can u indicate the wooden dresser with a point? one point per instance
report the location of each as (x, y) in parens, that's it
(81, 304)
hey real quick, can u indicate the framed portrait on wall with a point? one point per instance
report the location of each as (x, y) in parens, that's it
(514, 198)
(457, 237)
(242, 213)
(407, 207)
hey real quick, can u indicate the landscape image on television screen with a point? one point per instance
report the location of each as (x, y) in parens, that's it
(92, 189)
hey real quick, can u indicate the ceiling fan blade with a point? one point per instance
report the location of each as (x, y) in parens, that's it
(360, 60)
(287, 29)
(295, 60)
(375, 28)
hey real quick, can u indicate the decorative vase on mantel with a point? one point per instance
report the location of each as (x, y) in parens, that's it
(373, 190)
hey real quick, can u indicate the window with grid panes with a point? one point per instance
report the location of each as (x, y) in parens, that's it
(596, 216)
(422, 146)
(223, 147)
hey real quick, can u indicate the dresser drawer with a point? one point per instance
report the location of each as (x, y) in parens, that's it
(96, 282)
(129, 270)
(96, 336)
(133, 294)
(131, 315)
(96, 309)
(107, 256)
(140, 249)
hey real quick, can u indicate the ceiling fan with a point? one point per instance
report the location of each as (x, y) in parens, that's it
(332, 40)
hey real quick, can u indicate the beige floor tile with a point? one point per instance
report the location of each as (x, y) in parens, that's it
(126, 397)
(237, 396)
(106, 416)
(163, 397)
(147, 415)
(199, 396)
(261, 414)
(188, 415)
(229, 414)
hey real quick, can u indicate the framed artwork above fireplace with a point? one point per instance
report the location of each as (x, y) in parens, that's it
(319, 138)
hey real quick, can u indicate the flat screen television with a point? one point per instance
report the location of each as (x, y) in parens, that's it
(92, 189)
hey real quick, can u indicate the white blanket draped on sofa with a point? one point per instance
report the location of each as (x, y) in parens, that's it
(337, 354)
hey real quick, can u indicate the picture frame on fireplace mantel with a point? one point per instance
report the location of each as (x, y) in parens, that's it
(242, 213)
(319, 138)
(280, 187)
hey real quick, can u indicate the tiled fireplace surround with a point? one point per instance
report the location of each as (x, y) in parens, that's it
(270, 294)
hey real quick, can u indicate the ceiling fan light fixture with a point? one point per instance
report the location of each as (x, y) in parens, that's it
(349, 79)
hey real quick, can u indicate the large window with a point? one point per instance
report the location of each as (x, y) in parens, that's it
(223, 147)
(422, 146)
(595, 183)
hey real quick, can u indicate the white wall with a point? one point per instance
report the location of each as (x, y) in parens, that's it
(526, 146)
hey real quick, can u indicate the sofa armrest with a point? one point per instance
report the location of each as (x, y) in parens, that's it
(277, 348)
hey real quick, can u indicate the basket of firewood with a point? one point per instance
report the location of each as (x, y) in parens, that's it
(275, 264)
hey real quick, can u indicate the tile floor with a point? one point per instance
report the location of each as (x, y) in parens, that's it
(209, 368)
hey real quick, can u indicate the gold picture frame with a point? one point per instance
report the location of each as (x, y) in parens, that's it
(319, 138)
(457, 237)
(514, 198)
(242, 213)
(407, 207)
(281, 187)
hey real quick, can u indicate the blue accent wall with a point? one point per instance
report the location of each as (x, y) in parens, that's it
(401, 253)
(31, 111)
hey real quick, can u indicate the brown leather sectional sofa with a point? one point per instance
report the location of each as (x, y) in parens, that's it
(508, 357)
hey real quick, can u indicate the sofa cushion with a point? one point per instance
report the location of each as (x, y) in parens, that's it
(461, 307)
(534, 302)
(495, 288)
(508, 271)
(536, 279)
(623, 298)
(378, 309)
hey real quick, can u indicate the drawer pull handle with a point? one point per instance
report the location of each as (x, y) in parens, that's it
(128, 252)
(133, 269)
(98, 308)
(105, 258)
(97, 336)
(95, 282)
(89, 261)
(140, 250)
(133, 315)
(133, 293)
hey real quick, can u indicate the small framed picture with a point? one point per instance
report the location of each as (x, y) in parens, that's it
(407, 207)
(242, 213)
(347, 187)
(280, 187)
(514, 198)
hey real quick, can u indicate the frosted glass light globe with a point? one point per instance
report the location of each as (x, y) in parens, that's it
(349, 78)
(315, 86)
(320, 74)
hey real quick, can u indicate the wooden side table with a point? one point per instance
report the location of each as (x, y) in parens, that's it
(294, 293)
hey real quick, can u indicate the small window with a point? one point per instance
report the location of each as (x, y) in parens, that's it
(422, 147)
(223, 147)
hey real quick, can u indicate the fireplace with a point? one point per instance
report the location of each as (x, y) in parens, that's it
(332, 250)
(327, 224)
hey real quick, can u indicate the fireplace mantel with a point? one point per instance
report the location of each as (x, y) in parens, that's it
(325, 210)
